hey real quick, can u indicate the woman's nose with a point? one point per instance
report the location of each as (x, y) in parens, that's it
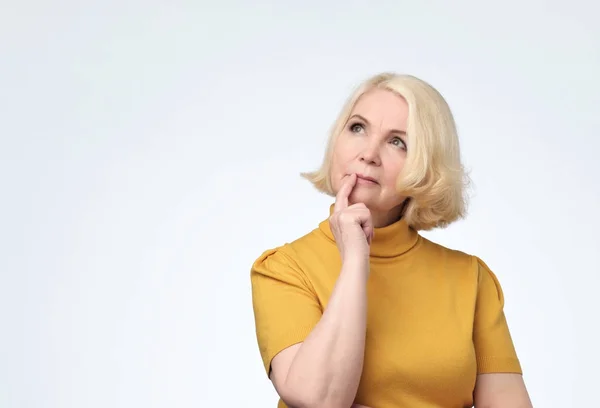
(370, 155)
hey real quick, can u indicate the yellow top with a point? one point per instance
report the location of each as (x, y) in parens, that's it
(435, 316)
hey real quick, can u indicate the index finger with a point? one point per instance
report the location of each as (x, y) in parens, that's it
(341, 199)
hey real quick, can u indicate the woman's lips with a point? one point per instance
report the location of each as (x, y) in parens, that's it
(365, 179)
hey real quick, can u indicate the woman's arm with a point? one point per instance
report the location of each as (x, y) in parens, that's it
(502, 390)
(325, 370)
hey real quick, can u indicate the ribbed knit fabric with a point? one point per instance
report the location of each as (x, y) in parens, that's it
(435, 316)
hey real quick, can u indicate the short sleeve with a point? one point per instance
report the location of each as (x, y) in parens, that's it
(286, 309)
(494, 347)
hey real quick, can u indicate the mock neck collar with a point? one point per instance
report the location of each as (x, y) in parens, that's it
(389, 241)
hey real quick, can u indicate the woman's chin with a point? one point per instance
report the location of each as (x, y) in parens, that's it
(360, 196)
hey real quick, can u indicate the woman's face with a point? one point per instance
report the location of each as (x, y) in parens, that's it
(373, 145)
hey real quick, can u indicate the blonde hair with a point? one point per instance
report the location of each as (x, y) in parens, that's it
(433, 178)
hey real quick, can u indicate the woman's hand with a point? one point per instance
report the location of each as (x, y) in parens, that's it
(351, 225)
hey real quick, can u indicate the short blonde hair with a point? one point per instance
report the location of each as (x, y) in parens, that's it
(433, 178)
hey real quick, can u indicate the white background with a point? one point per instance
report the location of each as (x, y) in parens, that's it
(150, 152)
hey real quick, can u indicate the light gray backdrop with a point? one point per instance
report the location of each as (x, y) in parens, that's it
(150, 152)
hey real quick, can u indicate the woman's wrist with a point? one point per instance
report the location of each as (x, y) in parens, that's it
(355, 264)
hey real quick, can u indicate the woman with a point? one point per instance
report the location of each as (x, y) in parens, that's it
(363, 310)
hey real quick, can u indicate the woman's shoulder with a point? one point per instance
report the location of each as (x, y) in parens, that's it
(287, 255)
(449, 256)
(462, 262)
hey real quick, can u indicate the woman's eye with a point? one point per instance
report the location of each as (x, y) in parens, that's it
(356, 128)
(398, 142)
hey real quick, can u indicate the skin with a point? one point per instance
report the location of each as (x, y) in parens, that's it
(374, 144)
(325, 369)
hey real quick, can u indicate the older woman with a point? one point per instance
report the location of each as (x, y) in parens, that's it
(363, 309)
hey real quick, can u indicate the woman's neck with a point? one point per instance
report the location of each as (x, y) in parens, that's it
(384, 218)
(390, 240)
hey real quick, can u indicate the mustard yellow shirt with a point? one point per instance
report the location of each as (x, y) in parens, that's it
(435, 316)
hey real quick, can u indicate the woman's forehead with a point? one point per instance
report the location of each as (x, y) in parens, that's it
(382, 108)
